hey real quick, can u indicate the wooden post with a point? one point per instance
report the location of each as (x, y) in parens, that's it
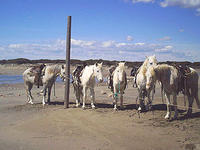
(67, 71)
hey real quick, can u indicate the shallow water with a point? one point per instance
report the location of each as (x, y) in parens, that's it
(12, 79)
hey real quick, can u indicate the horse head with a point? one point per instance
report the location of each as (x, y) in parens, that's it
(150, 77)
(98, 71)
(62, 72)
(151, 61)
(120, 70)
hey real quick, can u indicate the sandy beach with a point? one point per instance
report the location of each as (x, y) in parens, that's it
(34, 127)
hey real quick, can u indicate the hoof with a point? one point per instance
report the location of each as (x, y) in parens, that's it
(30, 102)
(77, 105)
(189, 113)
(83, 107)
(115, 109)
(167, 117)
(48, 103)
(139, 109)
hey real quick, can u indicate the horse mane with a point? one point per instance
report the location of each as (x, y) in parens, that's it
(145, 63)
(143, 68)
(162, 67)
(151, 70)
(53, 69)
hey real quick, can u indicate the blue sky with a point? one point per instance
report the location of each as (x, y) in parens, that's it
(101, 29)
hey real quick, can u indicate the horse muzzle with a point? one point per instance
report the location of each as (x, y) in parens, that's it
(100, 80)
(148, 86)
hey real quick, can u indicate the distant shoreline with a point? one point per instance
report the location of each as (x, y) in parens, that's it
(74, 62)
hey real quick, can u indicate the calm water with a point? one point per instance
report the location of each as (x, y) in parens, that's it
(12, 79)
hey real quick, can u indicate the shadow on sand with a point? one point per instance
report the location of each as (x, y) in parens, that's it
(159, 107)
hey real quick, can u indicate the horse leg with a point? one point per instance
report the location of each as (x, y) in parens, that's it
(175, 105)
(28, 92)
(121, 100)
(77, 93)
(49, 93)
(167, 116)
(133, 81)
(149, 104)
(115, 97)
(115, 101)
(196, 97)
(84, 96)
(162, 92)
(44, 95)
(141, 100)
(190, 102)
(92, 94)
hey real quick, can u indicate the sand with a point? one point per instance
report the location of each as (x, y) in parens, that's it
(34, 127)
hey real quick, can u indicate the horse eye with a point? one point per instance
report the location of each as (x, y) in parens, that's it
(97, 70)
(151, 63)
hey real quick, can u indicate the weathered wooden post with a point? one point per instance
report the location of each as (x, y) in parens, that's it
(67, 71)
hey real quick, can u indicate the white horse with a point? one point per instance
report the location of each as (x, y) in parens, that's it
(170, 79)
(119, 84)
(141, 81)
(88, 81)
(49, 78)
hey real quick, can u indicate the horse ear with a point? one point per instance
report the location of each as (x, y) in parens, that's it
(100, 64)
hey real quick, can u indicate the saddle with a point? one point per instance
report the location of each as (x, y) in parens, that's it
(183, 72)
(37, 71)
(77, 73)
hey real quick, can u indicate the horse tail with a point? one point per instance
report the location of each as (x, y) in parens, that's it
(196, 96)
(197, 99)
